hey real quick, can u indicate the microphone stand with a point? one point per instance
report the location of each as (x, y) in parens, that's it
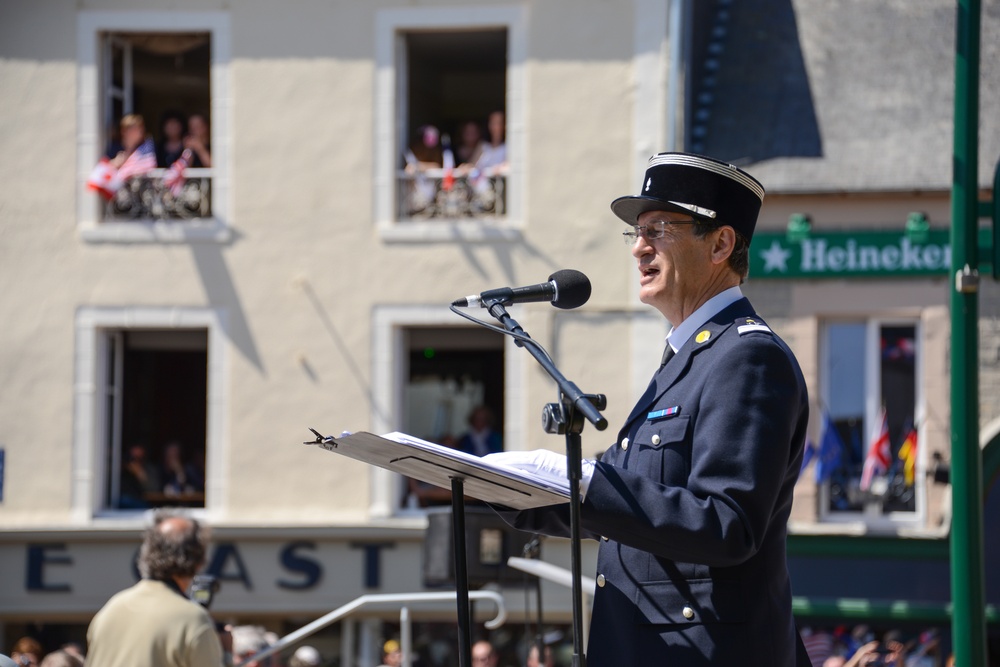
(566, 417)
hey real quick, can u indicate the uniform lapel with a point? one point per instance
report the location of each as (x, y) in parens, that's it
(677, 367)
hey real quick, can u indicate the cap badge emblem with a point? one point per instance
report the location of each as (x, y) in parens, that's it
(649, 182)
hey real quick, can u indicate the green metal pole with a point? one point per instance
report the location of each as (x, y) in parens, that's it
(967, 576)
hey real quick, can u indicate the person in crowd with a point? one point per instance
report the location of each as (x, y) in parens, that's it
(173, 127)
(470, 144)
(199, 140)
(154, 618)
(248, 640)
(180, 477)
(139, 477)
(305, 656)
(693, 498)
(27, 652)
(533, 657)
(392, 654)
(74, 648)
(818, 643)
(481, 439)
(61, 658)
(484, 655)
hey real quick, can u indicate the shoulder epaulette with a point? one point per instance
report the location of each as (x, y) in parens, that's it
(750, 325)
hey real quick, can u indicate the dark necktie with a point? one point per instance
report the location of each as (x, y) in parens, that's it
(667, 353)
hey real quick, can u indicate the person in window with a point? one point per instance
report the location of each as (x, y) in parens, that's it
(481, 439)
(493, 156)
(180, 477)
(139, 477)
(426, 152)
(470, 143)
(424, 494)
(133, 135)
(690, 503)
(173, 127)
(199, 140)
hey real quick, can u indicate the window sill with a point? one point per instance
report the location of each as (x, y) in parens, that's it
(208, 230)
(437, 231)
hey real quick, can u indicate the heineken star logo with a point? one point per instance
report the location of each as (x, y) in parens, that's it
(775, 258)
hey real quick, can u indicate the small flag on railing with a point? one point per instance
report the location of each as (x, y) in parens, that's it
(879, 455)
(908, 455)
(173, 177)
(104, 179)
(448, 181)
(830, 450)
(141, 161)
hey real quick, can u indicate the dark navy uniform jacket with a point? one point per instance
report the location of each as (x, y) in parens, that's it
(691, 505)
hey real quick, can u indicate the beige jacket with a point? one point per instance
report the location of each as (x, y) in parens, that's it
(150, 625)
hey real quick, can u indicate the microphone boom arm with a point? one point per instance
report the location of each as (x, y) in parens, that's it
(584, 403)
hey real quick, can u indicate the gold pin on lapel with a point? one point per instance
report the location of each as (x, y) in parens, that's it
(703, 336)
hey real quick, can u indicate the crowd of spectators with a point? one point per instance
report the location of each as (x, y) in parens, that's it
(469, 155)
(865, 646)
(146, 483)
(177, 132)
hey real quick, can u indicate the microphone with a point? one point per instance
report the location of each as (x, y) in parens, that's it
(565, 289)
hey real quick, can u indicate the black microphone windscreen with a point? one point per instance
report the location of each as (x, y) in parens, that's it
(572, 289)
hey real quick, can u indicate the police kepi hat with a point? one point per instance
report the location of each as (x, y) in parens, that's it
(699, 186)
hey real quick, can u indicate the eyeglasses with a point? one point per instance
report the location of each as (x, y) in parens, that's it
(652, 231)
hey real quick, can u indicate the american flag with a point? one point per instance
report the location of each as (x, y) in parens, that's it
(173, 178)
(879, 455)
(141, 161)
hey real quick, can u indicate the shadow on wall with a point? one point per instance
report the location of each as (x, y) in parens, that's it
(221, 291)
(750, 90)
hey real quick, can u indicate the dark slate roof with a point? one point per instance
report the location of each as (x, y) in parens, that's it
(838, 95)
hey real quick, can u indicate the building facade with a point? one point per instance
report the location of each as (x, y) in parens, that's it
(299, 275)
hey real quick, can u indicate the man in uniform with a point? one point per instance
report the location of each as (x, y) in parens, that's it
(692, 500)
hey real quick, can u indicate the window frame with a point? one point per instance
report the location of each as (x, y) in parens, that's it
(90, 56)
(389, 365)
(871, 517)
(91, 402)
(390, 120)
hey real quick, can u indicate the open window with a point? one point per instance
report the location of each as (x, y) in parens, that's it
(870, 376)
(151, 65)
(162, 79)
(453, 395)
(155, 409)
(454, 161)
(443, 75)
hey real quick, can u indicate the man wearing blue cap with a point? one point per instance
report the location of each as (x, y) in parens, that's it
(692, 500)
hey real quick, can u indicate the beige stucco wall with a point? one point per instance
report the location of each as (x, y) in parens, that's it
(306, 267)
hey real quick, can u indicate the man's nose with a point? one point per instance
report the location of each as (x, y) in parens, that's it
(641, 246)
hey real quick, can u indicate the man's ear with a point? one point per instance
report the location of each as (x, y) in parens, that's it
(724, 244)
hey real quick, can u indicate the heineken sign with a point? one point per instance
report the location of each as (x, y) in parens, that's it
(861, 254)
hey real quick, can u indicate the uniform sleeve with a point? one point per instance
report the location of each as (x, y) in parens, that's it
(742, 439)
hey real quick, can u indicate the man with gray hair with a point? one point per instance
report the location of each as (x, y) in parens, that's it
(153, 623)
